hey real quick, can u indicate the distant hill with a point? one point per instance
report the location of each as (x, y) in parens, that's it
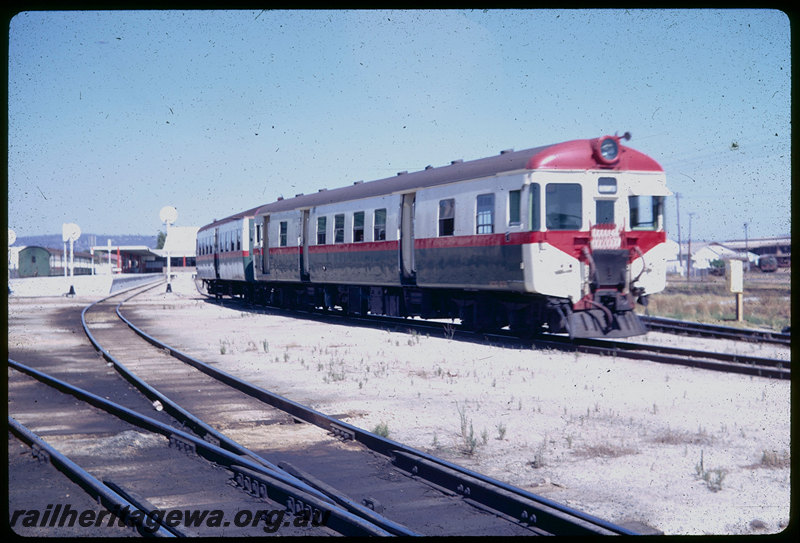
(82, 244)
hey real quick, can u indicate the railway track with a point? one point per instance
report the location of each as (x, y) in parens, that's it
(379, 482)
(132, 453)
(703, 359)
(707, 359)
(687, 328)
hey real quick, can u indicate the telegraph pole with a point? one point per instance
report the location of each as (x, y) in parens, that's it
(746, 247)
(680, 247)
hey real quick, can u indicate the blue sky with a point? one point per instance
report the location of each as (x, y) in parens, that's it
(113, 115)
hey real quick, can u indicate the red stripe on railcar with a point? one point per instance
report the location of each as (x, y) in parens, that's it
(358, 247)
(284, 250)
(226, 254)
(571, 242)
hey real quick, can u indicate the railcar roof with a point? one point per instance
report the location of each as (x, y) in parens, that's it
(574, 154)
(409, 182)
(241, 214)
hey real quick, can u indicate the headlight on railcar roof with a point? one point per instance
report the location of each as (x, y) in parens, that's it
(606, 149)
(609, 149)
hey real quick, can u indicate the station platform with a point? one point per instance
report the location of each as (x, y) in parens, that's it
(83, 285)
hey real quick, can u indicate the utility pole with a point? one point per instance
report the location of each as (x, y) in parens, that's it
(680, 247)
(746, 248)
(689, 257)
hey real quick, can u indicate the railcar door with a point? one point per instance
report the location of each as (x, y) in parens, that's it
(265, 246)
(408, 267)
(216, 253)
(255, 245)
(304, 276)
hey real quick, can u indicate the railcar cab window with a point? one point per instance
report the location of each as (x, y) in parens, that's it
(484, 219)
(514, 207)
(563, 206)
(645, 212)
(322, 225)
(535, 208)
(283, 233)
(604, 209)
(358, 226)
(447, 214)
(380, 225)
(338, 228)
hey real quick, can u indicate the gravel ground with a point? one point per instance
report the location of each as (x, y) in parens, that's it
(682, 450)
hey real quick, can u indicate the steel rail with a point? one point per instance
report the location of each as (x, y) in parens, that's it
(113, 501)
(710, 360)
(673, 326)
(528, 508)
(277, 486)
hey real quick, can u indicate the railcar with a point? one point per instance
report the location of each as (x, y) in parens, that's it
(224, 255)
(562, 238)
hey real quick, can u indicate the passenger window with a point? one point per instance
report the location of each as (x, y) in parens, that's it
(645, 211)
(447, 213)
(604, 213)
(563, 206)
(338, 228)
(380, 225)
(358, 226)
(535, 209)
(322, 225)
(485, 214)
(514, 207)
(283, 234)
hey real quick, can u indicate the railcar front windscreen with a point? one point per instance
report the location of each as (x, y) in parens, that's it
(563, 206)
(645, 211)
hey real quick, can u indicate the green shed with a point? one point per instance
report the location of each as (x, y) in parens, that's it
(34, 262)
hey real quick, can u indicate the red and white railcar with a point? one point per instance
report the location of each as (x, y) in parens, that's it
(564, 237)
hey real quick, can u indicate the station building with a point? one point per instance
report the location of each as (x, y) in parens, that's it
(179, 245)
(780, 248)
(703, 253)
(34, 261)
